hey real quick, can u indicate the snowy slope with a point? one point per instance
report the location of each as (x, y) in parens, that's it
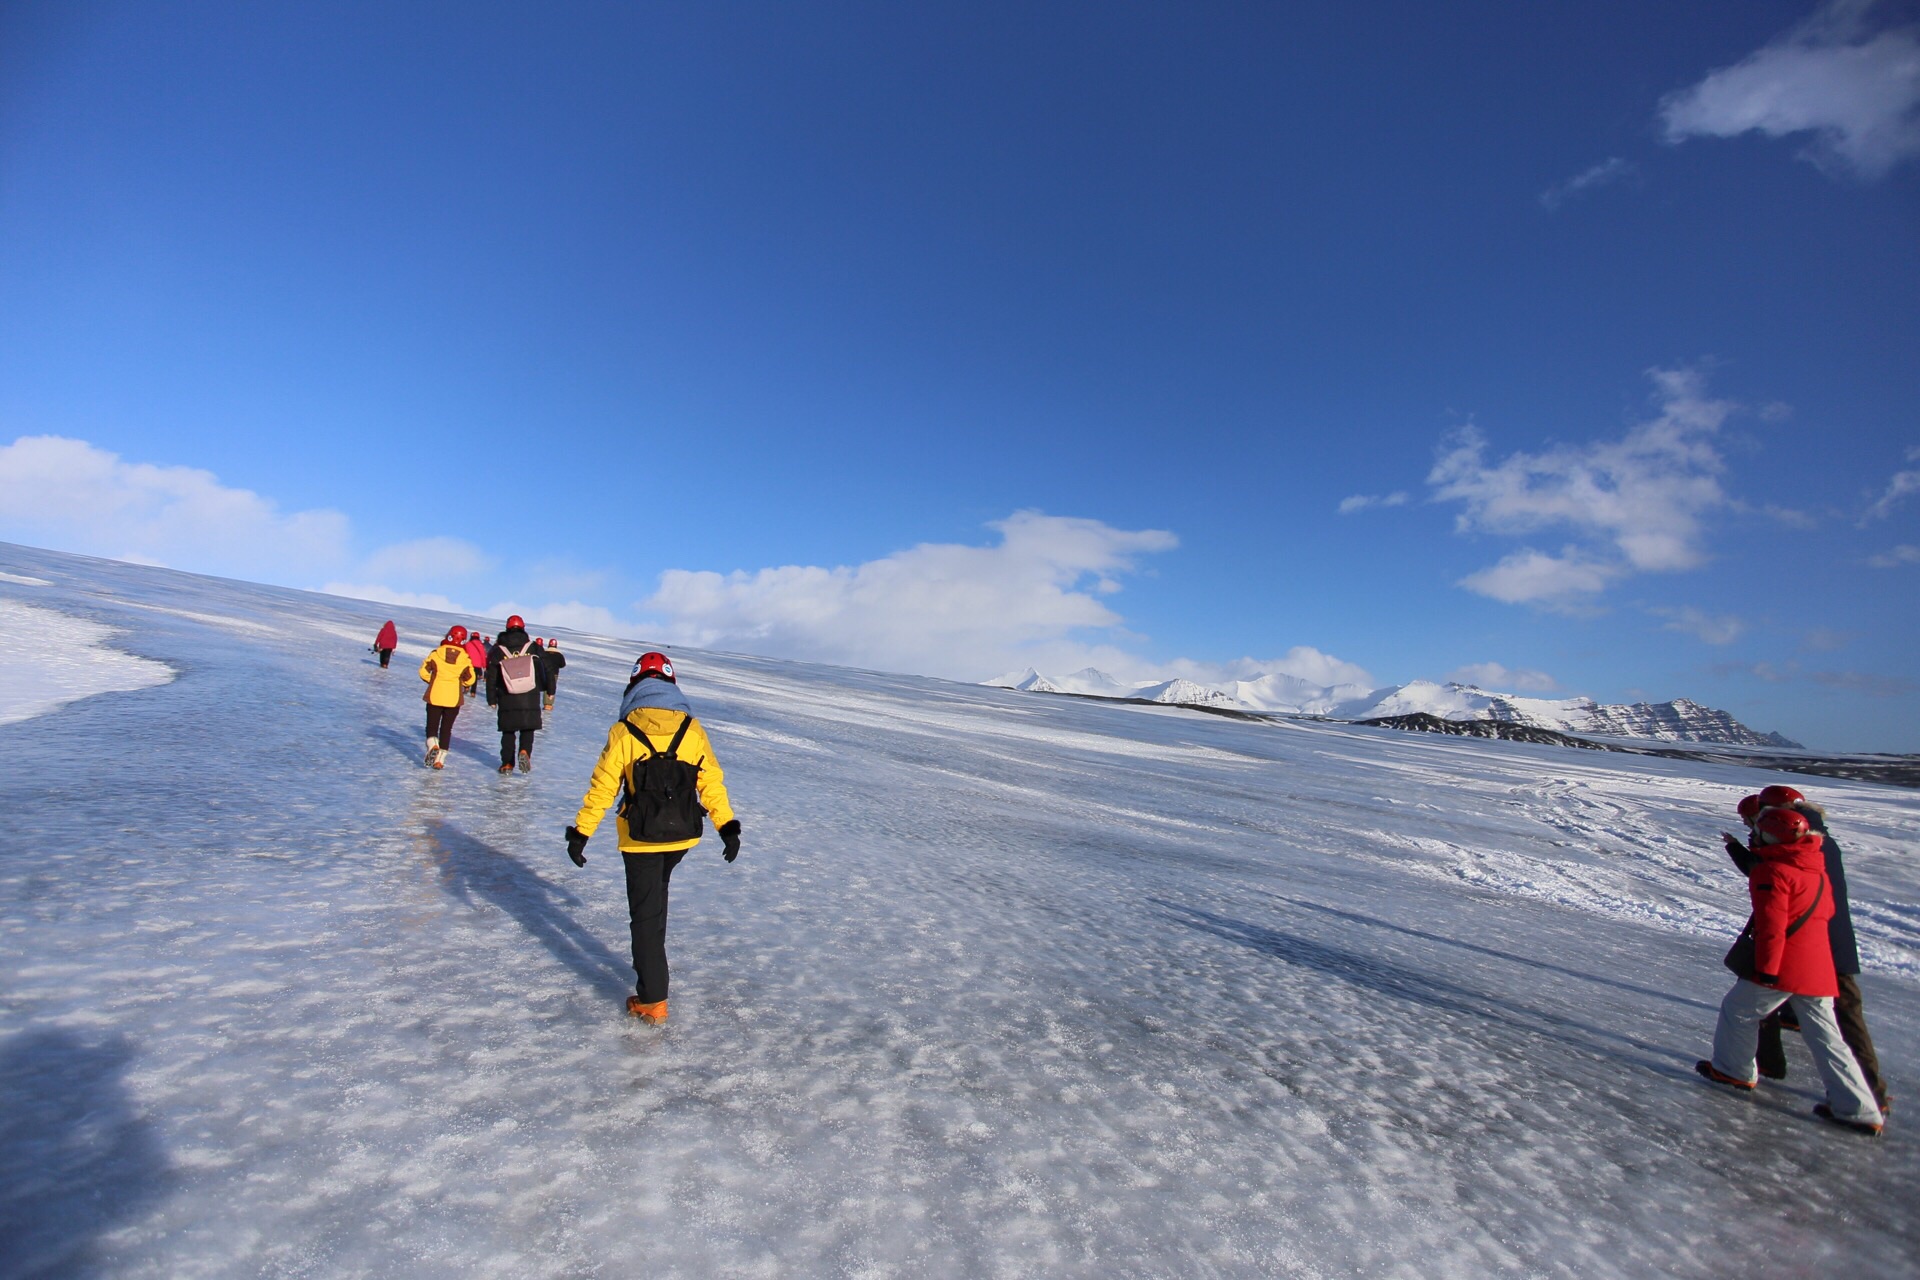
(1001, 985)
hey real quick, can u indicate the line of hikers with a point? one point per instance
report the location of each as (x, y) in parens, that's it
(657, 761)
(520, 674)
(1796, 962)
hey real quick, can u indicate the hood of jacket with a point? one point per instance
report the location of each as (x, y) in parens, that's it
(650, 692)
(512, 640)
(1807, 854)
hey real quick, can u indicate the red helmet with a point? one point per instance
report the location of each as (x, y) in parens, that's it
(456, 634)
(516, 621)
(1776, 796)
(654, 664)
(1749, 808)
(1781, 826)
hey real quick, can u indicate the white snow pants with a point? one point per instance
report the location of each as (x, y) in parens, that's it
(1737, 1039)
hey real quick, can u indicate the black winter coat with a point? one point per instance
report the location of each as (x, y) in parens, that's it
(1846, 951)
(519, 712)
(555, 661)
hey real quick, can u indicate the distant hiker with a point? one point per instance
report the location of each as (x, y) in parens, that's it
(477, 650)
(659, 759)
(516, 684)
(556, 661)
(386, 642)
(448, 672)
(1783, 957)
(1848, 1006)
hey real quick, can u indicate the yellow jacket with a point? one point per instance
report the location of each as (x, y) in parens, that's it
(447, 671)
(659, 724)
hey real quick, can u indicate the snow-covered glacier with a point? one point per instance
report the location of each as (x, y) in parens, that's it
(1001, 985)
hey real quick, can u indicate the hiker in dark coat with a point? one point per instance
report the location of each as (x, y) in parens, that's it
(517, 681)
(556, 660)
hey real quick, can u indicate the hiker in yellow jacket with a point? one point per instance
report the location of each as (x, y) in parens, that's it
(659, 757)
(449, 673)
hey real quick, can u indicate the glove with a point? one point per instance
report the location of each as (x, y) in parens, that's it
(730, 837)
(1767, 979)
(576, 847)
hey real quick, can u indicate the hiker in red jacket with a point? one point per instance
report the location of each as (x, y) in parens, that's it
(477, 650)
(1783, 957)
(386, 642)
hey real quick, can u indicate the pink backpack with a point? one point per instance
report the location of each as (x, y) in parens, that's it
(518, 673)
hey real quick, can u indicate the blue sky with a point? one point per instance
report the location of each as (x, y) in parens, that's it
(1571, 347)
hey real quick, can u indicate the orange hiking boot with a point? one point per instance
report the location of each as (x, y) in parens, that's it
(1715, 1074)
(655, 1012)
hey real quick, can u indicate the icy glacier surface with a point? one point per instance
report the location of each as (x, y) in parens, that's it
(1000, 986)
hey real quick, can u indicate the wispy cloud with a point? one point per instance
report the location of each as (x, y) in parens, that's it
(1903, 484)
(1635, 504)
(962, 611)
(1850, 81)
(1607, 172)
(1901, 556)
(1362, 501)
(1705, 627)
(1503, 679)
(1867, 683)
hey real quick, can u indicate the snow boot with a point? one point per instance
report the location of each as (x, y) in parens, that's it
(439, 757)
(655, 1012)
(1718, 1076)
(1820, 1109)
(433, 749)
(526, 762)
(506, 768)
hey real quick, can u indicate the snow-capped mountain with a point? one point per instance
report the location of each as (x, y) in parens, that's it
(1680, 720)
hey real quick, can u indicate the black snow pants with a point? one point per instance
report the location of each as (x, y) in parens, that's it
(385, 656)
(507, 737)
(440, 723)
(648, 875)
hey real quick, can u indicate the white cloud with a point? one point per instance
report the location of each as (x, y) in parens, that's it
(1608, 171)
(1902, 484)
(1500, 679)
(1303, 662)
(1855, 89)
(440, 557)
(1534, 577)
(68, 494)
(1637, 501)
(1701, 625)
(966, 612)
(1361, 501)
(388, 595)
(1904, 554)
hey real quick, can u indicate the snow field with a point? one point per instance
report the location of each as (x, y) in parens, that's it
(1001, 985)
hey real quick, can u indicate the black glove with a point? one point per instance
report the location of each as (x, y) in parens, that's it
(576, 847)
(1767, 979)
(1742, 856)
(730, 837)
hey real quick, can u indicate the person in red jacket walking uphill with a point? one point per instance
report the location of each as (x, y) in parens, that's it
(1848, 1007)
(517, 681)
(659, 757)
(1789, 961)
(477, 650)
(386, 642)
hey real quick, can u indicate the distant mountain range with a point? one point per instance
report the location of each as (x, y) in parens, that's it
(1681, 720)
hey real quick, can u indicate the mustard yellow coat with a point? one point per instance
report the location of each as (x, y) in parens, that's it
(448, 670)
(659, 724)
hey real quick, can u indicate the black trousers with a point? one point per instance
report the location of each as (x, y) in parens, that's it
(507, 737)
(440, 723)
(1847, 1011)
(385, 656)
(648, 877)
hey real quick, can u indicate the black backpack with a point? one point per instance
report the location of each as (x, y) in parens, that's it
(662, 804)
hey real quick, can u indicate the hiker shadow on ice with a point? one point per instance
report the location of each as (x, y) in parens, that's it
(76, 1160)
(413, 748)
(1419, 986)
(471, 869)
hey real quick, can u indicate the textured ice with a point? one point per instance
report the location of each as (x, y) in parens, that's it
(1001, 985)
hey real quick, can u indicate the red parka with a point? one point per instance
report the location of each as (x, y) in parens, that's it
(1783, 884)
(388, 638)
(478, 652)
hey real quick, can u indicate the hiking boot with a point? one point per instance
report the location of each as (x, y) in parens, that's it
(547, 705)
(526, 762)
(433, 749)
(1821, 1109)
(437, 757)
(655, 1012)
(506, 768)
(1718, 1076)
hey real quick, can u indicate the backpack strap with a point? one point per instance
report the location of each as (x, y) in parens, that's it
(1818, 893)
(672, 747)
